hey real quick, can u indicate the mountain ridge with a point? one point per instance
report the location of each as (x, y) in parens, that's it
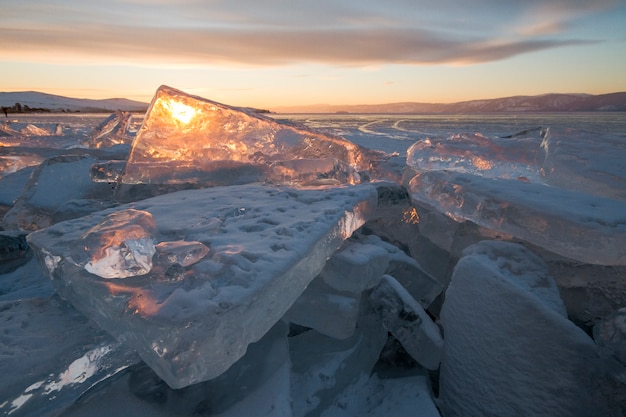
(551, 102)
(55, 103)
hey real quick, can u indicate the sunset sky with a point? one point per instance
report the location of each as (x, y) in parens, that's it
(292, 52)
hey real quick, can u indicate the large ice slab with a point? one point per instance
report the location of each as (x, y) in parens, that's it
(189, 139)
(577, 226)
(509, 349)
(191, 323)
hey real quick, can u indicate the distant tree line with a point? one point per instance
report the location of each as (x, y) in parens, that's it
(19, 108)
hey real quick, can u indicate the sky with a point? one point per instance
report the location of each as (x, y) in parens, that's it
(295, 52)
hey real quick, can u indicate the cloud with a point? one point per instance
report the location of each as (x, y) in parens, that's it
(267, 47)
(275, 32)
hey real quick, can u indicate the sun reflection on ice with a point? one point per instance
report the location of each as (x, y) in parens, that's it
(179, 111)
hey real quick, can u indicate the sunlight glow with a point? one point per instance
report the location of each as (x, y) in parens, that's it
(179, 111)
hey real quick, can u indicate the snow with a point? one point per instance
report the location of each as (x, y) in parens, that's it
(283, 270)
(501, 324)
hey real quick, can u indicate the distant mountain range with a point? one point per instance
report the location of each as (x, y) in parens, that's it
(36, 101)
(32, 100)
(517, 104)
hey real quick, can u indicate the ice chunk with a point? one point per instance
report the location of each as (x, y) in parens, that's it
(567, 159)
(12, 162)
(588, 229)
(363, 260)
(512, 158)
(591, 164)
(112, 131)
(14, 251)
(32, 130)
(322, 367)
(357, 267)
(51, 356)
(529, 270)
(188, 139)
(267, 243)
(399, 223)
(408, 322)
(58, 189)
(120, 246)
(6, 130)
(330, 312)
(180, 252)
(507, 352)
(109, 172)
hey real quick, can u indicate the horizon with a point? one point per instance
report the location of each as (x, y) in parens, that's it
(286, 55)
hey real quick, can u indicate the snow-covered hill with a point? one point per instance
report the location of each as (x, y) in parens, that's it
(516, 104)
(54, 103)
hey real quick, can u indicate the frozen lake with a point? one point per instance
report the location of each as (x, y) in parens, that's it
(389, 132)
(284, 297)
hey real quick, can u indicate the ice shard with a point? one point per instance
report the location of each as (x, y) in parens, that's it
(561, 221)
(191, 323)
(188, 139)
(362, 261)
(406, 319)
(114, 130)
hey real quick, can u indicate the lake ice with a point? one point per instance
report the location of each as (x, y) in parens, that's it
(208, 260)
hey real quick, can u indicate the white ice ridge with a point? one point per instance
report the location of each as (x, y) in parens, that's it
(509, 350)
(191, 323)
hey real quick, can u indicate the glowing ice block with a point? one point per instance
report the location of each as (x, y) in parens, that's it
(513, 158)
(565, 158)
(189, 139)
(191, 321)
